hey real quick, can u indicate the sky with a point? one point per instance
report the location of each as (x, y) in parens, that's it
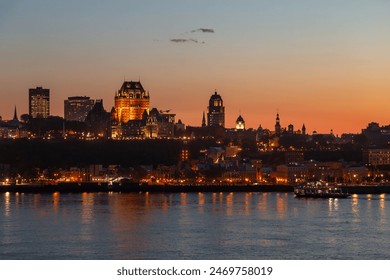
(325, 64)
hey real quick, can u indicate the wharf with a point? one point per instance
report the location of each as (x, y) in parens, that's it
(135, 187)
(143, 188)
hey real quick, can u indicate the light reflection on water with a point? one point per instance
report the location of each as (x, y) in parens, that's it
(192, 226)
(6, 204)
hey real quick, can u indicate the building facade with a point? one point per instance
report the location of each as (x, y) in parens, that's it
(376, 157)
(98, 122)
(131, 100)
(240, 123)
(39, 102)
(76, 108)
(216, 111)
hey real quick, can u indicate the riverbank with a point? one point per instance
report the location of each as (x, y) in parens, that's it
(135, 187)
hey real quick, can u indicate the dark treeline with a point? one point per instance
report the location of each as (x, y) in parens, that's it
(23, 154)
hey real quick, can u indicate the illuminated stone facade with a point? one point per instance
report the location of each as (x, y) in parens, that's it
(131, 101)
(240, 123)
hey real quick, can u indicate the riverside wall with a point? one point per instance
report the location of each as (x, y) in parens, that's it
(135, 187)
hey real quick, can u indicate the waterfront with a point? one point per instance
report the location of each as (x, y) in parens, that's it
(192, 226)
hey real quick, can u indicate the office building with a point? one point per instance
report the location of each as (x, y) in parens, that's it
(39, 102)
(76, 108)
(216, 111)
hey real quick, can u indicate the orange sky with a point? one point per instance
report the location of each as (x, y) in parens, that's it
(325, 64)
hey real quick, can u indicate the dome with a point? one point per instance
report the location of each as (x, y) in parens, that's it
(215, 96)
(240, 123)
(240, 119)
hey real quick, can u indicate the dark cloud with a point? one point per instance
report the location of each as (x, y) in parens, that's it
(204, 30)
(183, 40)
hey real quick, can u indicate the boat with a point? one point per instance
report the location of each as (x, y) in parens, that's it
(319, 191)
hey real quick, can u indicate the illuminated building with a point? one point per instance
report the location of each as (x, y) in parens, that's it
(240, 123)
(39, 102)
(294, 156)
(76, 108)
(376, 157)
(159, 124)
(131, 101)
(216, 111)
(155, 124)
(184, 154)
(290, 173)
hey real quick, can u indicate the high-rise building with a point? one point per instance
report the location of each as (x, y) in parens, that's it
(131, 101)
(216, 111)
(39, 102)
(76, 108)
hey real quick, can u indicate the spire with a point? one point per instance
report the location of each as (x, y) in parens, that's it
(15, 115)
(204, 120)
(277, 125)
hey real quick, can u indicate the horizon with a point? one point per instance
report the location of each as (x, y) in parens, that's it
(321, 64)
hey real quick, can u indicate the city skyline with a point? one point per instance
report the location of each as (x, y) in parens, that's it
(323, 64)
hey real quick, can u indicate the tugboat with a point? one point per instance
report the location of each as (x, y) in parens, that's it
(319, 190)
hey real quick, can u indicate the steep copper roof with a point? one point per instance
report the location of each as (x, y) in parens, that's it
(130, 85)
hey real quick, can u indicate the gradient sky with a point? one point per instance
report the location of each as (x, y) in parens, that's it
(322, 63)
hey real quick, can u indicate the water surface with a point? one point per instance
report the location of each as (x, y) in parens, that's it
(192, 226)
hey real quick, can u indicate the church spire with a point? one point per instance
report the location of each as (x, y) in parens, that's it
(204, 120)
(15, 115)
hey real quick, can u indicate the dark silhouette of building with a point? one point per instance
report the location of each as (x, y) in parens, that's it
(98, 121)
(278, 128)
(76, 108)
(204, 120)
(290, 129)
(216, 111)
(12, 128)
(39, 102)
(376, 135)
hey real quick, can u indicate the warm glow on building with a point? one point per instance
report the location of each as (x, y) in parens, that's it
(131, 101)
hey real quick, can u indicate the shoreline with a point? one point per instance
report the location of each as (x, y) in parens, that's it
(141, 188)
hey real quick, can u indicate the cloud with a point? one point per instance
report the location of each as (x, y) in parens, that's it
(183, 40)
(203, 30)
